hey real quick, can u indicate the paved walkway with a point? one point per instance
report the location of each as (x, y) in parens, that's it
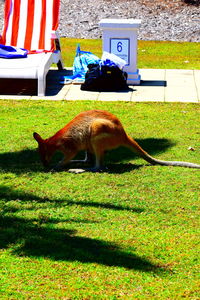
(156, 85)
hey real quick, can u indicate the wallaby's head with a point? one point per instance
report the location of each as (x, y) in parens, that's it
(44, 150)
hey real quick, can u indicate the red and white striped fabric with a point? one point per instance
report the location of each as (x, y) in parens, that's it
(30, 24)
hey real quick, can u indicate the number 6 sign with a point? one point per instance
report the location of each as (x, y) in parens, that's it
(121, 48)
(120, 38)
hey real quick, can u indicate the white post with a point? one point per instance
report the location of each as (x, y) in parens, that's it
(120, 38)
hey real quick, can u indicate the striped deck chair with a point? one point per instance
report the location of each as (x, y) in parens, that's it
(32, 25)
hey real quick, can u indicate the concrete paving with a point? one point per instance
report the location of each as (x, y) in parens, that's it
(156, 86)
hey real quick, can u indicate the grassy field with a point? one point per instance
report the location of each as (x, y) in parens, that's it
(128, 233)
(151, 54)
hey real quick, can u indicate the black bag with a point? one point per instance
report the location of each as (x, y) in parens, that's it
(104, 79)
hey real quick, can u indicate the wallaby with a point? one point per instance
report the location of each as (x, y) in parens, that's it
(95, 131)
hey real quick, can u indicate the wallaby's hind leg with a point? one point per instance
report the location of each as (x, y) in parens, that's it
(104, 136)
(99, 158)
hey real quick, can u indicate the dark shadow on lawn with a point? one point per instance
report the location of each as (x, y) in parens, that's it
(7, 194)
(37, 237)
(28, 160)
(28, 239)
(106, 206)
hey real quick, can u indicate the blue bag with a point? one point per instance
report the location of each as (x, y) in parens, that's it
(82, 60)
(80, 66)
(12, 52)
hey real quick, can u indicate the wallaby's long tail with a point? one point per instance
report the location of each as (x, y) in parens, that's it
(133, 145)
(175, 163)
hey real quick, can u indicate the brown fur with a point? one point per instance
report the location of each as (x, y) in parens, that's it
(95, 131)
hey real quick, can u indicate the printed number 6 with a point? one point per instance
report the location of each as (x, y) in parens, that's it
(119, 46)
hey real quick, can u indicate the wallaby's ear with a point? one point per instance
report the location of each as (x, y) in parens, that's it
(37, 137)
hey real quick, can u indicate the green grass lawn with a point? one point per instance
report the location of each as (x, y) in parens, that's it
(128, 233)
(151, 54)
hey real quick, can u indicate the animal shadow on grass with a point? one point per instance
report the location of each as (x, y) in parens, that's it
(150, 145)
(28, 160)
(20, 162)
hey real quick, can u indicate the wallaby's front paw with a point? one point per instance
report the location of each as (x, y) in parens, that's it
(76, 171)
(93, 170)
